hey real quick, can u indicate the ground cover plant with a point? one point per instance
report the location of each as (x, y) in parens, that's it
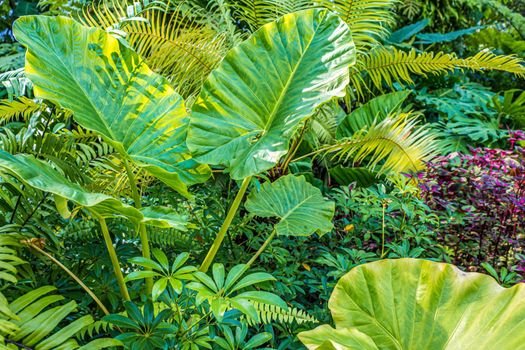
(266, 174)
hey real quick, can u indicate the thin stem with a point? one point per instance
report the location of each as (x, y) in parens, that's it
(261, 249)
(383, 232)
(114, 259)
(144, 241)
(225, 225)
(70, 273)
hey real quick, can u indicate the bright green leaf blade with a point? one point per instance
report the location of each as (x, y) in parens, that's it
(265, 87)
(300, 206)
(371, 113)
(326, 338)
(164, 217)
(40, 175)
(419, 304)
(111, 91)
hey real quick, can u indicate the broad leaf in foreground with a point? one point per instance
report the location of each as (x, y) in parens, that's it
(264, 88)
(300, 207)
(111, 91)
(40, 175)
(411, 304)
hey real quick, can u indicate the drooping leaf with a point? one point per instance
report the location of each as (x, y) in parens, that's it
(301, 207)
(405, 33)
(375, 110)
(111, 91)
(431, 38)
(419, 304)
(42, 176)
(265, 87)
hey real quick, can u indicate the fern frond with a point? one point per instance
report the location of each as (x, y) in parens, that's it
(397, 142)
(173, 42)
(22, 108)
(387, 65)
(256, 13)
(8, 258)
(369, 20)
(271, 313)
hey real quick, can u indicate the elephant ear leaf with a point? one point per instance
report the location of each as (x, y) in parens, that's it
(111, 91)
(40, 175)
(420, 304)
(300, 207)
(266, 87)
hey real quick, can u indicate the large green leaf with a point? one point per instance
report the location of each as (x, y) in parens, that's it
(111, 91)
(40, 175)
(300, 207)
(265, 87)
(411, 304)
(371, 113)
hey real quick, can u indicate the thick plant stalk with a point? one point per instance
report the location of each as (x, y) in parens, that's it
(70, 273)
(261, 249)
(114, 259)
(144, 241)
(225, 225)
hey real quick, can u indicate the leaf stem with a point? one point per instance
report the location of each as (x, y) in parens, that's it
(261, 249)
(225, 225)
(144, 241)
(114, 259)
(70, 273)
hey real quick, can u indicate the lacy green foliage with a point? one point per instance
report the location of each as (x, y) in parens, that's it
(424, 317)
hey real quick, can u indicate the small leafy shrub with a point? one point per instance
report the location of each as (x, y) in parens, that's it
(482, 198)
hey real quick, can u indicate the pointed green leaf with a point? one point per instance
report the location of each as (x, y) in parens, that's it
(420, 304)
(265, 87)
(111, 91)
(301, 207)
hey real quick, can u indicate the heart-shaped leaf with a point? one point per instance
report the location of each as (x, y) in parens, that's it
(111, 91)
(301, 207)
(264, 88)
(420, 304)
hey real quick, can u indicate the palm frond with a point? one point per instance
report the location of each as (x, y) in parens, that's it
(16, 84)
(369, 20)
(22, 108)
(31, 322)
(396, 143)
(174, 42)
(271, 313)
(386, 65)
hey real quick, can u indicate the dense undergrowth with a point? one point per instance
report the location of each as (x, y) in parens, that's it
(267, 174)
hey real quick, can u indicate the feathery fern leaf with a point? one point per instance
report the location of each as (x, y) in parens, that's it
(22, 108)
(369, 20)
(173, 42)
(397, 142)
(271, 313)
(387, 65)
(256, 13)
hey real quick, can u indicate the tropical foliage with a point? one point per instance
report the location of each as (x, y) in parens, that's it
(219, 174)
